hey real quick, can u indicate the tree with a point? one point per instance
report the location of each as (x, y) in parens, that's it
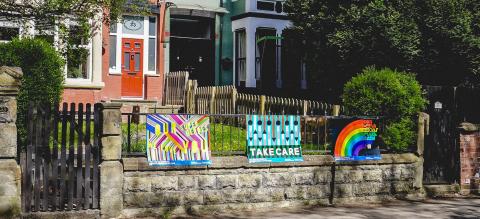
(439, 40)
(396, 96)
(43, 77)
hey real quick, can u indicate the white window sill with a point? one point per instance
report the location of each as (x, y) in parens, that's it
(84, 85)
(152, 75)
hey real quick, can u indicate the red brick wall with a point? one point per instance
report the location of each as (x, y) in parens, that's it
(113, 85)
(154, 88)
(469, 156)
(81, 96)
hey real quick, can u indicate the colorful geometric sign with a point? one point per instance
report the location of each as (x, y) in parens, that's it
(273, 138)
(355, 141)
(178, 140)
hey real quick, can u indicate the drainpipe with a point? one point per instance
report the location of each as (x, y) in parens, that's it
(220, 72)
(162, 5)
(160, 44)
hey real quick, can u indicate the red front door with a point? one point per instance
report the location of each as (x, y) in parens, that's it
(132, 68)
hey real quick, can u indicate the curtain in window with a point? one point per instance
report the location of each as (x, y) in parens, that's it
(241, 55)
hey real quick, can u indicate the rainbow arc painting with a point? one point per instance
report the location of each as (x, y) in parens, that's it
(355, 141)
(178, 140)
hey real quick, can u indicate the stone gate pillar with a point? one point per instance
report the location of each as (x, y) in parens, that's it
(10, 174)
(111, 168)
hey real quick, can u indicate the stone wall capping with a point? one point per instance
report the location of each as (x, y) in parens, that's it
(405, 158)
(10, 80)
(469, 127)
(111, 105)
(236, 162)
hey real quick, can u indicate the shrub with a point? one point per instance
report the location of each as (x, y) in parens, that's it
(384, 92)
(42, 68)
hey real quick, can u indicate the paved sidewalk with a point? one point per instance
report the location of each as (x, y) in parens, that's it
(452, 208)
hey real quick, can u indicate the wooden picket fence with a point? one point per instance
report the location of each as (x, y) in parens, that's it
(60, 164)
(175, 88)
(226, 100)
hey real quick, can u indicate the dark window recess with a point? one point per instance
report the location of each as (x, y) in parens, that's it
(8, 33)
(265, 6)
(279, 7)
(199, 28)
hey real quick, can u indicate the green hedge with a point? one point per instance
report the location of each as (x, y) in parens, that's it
(384, 92)
(43, 76)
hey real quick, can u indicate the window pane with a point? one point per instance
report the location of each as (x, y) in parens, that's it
(240, 56)
(137, 62)
(77, 63)
(113, 52)
(152, 26)
(45, 29)
(133, 25)
(113, 28)
(126, 60)
(266, 6)
(77, 53)
(151, 54)
(77, 36)
(8, 33)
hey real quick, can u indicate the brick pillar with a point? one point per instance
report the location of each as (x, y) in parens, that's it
(469, 155)
(10, 175)
(111, 168)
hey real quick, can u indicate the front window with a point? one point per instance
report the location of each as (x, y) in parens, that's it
(113, 47)
(45, 30)
(8, 33)
(152, 33)
(270, 5)
(77, 55)
(240, 57)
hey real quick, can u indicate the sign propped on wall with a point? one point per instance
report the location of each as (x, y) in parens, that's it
(356, 140)
(273, 138)
(181, 140)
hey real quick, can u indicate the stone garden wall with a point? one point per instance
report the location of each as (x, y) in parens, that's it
(233, 183)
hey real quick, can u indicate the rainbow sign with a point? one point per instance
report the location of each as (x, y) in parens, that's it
(355, 141)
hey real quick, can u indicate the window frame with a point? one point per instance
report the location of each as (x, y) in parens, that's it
(237, 60)
(118, 58)
(89, 47)
(11, 24)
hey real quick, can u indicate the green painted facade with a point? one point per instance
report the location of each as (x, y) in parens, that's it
(224, 41)
(226, 74)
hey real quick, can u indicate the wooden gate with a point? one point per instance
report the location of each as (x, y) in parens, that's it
(61, 157)
(442, 152)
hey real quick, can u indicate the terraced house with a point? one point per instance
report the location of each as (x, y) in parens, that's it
(219, 42)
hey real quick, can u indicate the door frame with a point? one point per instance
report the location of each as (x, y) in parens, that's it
(131, 36)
